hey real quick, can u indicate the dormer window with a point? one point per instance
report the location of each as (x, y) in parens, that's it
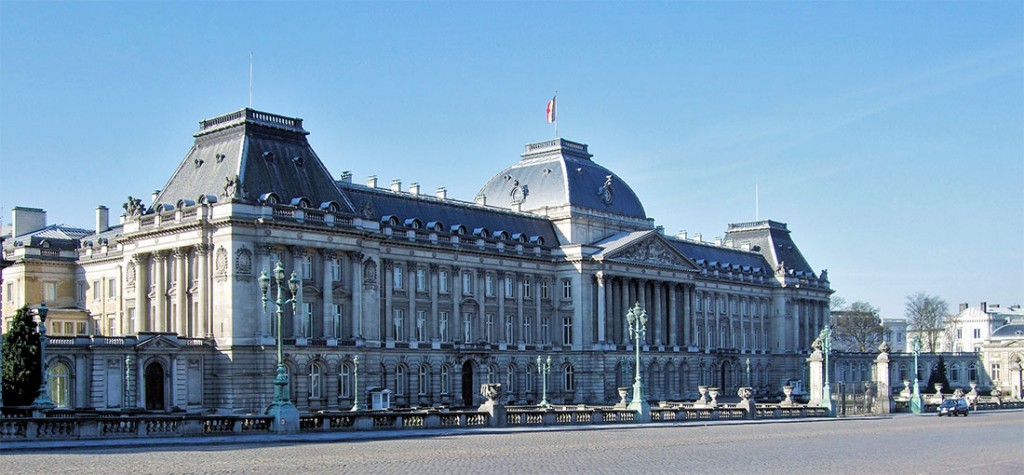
(301, 202)
(269, 199)
(268, 156)
(297, 161)
(413, 223)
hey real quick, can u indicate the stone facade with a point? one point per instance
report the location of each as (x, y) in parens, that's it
(435, 296)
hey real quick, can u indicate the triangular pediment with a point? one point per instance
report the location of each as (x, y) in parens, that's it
(649, 249)
(158, 342)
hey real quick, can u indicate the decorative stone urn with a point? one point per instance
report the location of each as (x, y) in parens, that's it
(938, 389)
(702, 399)
(974, 389)
(491, 391)
(788, 392)
(905, 392)
(623, 394)
(713, 392)
(744, 393)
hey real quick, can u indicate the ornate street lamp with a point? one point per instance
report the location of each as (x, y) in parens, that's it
(543, 369)
(43, 399)
(286, 415)
(916, 405)
(826, 390)
(637, 318)
(748, 372)
(355, 384)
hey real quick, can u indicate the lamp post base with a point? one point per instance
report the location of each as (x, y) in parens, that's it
(639, 404)
(286, 418)
(826, 400)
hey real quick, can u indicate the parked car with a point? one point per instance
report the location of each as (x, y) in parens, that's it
(954, 406)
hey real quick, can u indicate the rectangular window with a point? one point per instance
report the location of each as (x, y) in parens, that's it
(566, 330)
(545, 335)
(467, 327)
(442, 325)
(399, 325)
(10, 292)
(527, 336)
(399, 277)
(977, 333)
(510, 329)
(96, 292)
(336, 270)
(995, 372)
(959, 333)
(531, 373)
(336, 320)
(79, 292)
(421, 279)
(489, 285)
(442, 281)
(697, 304)
(111, 288)
(510, 380)
(423, 382)
(49, 291)
(421, 325)
(510, 286)
(489, 328)
(69, 328)
(307, 320)
(111, 325)
(79, 328)
(527, 288)
(400, 380)
(345, 381)
(467, 283)
(131, 320)
(307, 266)
(446, 381)
(544, 290)
(567, 289)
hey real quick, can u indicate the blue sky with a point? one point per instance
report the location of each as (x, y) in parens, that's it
(889, 136)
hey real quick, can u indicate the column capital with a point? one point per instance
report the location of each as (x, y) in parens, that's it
(600, 275)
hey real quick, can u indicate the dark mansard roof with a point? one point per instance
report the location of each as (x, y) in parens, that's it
(380, 204)
(772, 240)
(268, 153)
(558, 173)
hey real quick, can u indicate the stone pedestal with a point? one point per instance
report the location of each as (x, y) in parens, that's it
(747, 402)
(883, 399)
(492, 404)
(623, 394)
(702, 398)
(286, 418)
(713, 392)
(817, 383)
(788, 392)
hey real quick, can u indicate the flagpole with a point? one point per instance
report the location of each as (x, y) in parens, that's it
(250, 79)
(556, 113)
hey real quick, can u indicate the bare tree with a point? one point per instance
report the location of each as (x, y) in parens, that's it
(857, 327)
(927, 316)
(951, 323)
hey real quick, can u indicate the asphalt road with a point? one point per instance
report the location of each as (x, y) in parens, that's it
(987, 443)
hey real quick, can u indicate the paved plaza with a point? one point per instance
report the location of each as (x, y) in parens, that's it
(987, 442)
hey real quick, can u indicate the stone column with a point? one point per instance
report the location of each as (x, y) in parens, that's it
(601, 307)
(160, 291)
(687, 292)
(181, 290)
(431, 331)
(409, 322)
(621, 312)
(327, 302)
(455, 320)
(142, 311)
(389, 284)
(203, 291)
(673, 314)
(659, 312)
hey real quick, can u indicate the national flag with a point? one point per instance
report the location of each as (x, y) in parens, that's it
(551, 110)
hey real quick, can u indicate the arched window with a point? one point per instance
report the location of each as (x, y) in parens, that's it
(400, 380)
(60, 385)
(423, 381)
(446, 380)
(569, 378)
(954, 373)
(972, 372)
(345, 381)
(531, 375)
(903, 372)
(510, 380)
(315, 390)
(492, 375)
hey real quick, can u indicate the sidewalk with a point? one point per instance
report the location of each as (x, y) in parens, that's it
(344, 436)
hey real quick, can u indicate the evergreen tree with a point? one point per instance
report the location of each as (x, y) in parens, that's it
(938, 375)
(21, 365)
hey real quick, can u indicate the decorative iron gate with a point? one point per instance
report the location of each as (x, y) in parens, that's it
(852, 398)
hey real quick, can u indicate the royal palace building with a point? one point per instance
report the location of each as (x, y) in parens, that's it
(417, 293)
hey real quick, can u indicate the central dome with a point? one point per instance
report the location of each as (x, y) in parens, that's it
(560, 175)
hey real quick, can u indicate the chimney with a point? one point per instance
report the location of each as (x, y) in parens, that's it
(346, 177)
(153, 200)
(371, 181)
(660, 229)
(481, 200)
(984, 307)
(963, 307)
(681, 234)
(102, 219)
(442, 193)
(698, 237)
(396, 185)
(718, 240)
(26, 220)
(414, 188)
